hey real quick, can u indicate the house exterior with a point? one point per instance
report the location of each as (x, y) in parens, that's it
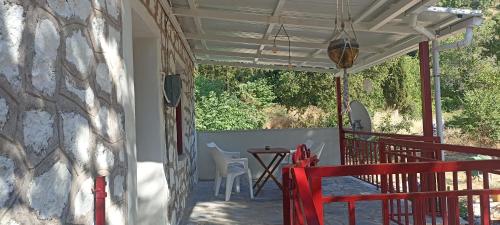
(81, 89)
(67, 100)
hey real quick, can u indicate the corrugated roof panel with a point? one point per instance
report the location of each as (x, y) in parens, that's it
(218, 45)
(253, 6)
(233, 26)
(233, 30)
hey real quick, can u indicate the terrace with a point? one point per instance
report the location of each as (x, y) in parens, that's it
(385, 179)
(97, 115)
(358, 192)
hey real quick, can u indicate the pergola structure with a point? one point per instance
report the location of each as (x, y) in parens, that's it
(244, 34)
(241, 33)
(81, 97)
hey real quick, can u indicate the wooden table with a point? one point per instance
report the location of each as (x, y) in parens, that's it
(279, 155)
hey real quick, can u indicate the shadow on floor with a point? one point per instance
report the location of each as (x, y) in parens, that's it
(204, 208)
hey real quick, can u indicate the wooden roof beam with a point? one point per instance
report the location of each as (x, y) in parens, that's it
(270, 27)
(311, 23)
(267, 66)
(224, 38)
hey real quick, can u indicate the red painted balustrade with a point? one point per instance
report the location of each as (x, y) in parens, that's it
(415, 186)
(358, 150)
(361, 148)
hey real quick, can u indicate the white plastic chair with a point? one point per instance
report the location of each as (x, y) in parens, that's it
(309, 143)
(317, 151)
(229, 165)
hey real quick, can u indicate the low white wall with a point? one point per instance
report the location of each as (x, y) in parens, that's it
(240, 141)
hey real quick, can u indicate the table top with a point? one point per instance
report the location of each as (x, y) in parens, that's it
(270, 150)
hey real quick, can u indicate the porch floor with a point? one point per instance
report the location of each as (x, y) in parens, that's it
(203, 208)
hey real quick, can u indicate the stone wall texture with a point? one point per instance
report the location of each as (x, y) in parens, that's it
(60, 112)
(180, 169)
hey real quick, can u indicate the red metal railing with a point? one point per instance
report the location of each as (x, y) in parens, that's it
(361, 148)
(297, 196)
(299, 208)
(306, 197)
(403, 151)
(414, 183)
(409, 148)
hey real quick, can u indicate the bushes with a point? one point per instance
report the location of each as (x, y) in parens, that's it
(219, 109)
(480, 118)
(226, 112)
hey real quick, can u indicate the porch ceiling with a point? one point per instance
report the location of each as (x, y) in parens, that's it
(241, 33)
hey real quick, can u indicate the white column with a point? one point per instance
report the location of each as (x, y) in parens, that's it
(437, 89)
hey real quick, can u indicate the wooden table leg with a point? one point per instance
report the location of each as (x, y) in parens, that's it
(263, 165)
(268, 172)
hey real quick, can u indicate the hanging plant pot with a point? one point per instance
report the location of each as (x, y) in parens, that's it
(343, 52)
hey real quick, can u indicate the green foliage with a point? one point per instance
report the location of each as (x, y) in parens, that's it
(480, 118)
(491, 44)
(474, 4)
(206, 85)
(226, 112)
(258, 93)
(241, 98)
(460, 68)
(470, 81)
(388, 126)
(462, 207)
(395, 84)
(217, 109)
(297, 90)
(374, 99)
(399, 86)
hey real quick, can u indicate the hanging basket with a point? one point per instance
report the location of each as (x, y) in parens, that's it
(343, 52)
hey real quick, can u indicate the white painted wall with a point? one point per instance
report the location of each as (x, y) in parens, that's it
(152, 187)
(126, 86)
(240, 141)
(150, 126)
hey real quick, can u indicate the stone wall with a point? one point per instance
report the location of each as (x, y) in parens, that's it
(180, 169)
(60, 62)
(60, 111)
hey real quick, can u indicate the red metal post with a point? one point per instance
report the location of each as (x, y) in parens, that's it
(317, 193)
(425, 77)
(178, 125)
(470, 209)
(100, 198)
(425, 80)
(339, 121)
(285, 175)
(383, 185)
(485, 201)
(454, 217)
(352, 212)
(306, 204)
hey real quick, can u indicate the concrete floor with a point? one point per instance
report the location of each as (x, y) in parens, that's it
(204, 208)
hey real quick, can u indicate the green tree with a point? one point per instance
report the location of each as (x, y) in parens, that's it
(471, 78)
(400, 86)
(480, 117)
(258, 93)
(297, 90)
(226, 112)
(473, 4)
(461, 67)
(206, 85)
